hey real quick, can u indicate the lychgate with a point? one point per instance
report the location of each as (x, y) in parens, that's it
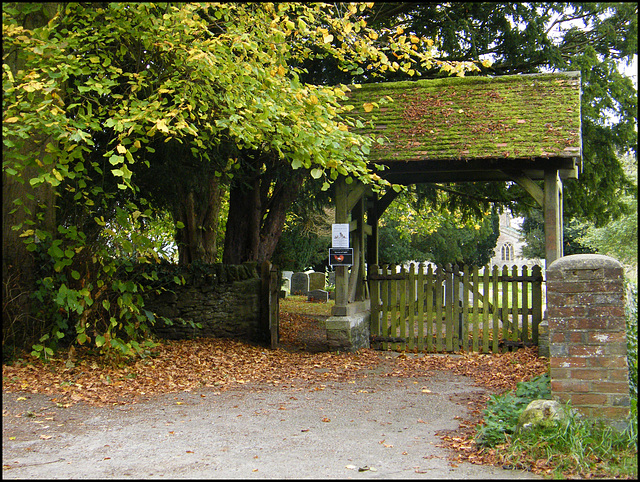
(520, 128)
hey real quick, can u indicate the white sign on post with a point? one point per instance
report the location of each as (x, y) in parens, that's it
(340, 235)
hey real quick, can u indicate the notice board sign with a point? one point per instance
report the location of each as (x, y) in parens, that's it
(340, 256)
(340, 235)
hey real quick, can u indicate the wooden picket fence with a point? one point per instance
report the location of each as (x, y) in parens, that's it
(447, 309)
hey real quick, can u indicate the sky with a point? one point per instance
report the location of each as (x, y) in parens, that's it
(631, 70)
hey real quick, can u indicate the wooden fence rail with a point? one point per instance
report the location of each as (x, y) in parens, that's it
(448, 309)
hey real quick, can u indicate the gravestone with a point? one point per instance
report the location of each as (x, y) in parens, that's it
(299, 283)
(287, 275)
(332, 278)
(316, 281)
(318, 295)
(286, 284)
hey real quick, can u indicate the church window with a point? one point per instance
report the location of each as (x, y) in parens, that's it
(507, 252)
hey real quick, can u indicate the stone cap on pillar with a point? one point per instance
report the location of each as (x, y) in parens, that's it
(584, 261)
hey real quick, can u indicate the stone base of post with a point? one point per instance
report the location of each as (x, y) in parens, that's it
(348, 333)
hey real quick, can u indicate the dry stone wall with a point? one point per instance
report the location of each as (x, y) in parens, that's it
(223, 299)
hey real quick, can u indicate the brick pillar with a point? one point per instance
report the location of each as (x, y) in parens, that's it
(587, 336)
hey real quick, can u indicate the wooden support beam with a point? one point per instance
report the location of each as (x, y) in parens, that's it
(356, 218)
(353, 226)
(353, 277)
(528, 185)
(383, 203)
(361, 290)
(356, 191)
(553, 238)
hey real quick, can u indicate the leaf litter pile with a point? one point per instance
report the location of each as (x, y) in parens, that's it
(222, 364)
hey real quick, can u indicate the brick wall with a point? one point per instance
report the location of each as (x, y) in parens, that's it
(587, 336)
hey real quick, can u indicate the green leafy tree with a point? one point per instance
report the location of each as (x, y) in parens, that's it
(394, 244)
(302, 246)
(532, 231)
(462, 245)
(112, 111)
(411, 230)
(618, 238)
(306, 235)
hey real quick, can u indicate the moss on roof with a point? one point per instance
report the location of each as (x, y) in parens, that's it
(515, 116)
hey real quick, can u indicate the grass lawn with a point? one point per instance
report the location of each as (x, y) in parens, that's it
(300, 305)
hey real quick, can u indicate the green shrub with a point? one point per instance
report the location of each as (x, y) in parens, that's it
(577, 447)
(502, 412)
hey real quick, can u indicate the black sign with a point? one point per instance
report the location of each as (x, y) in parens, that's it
(340, 256)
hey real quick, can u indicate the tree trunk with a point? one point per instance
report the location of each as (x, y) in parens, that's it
(188, 188)
(257, 211)
(199, 211)
(21, 325)
(37, 210)
(242, 235)
(284, 194)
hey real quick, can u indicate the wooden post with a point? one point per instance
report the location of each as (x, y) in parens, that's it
(357, 289)
(342, 272)
(449, 301)
(486, 306)
(495, 275)
(464, 335)
(515, 324)
(504, 313)
(440, 276)
(536, 302)
(375, 210)
(420, 314)
(526, 336)
(386, 305)
(375, 302)
(372, 241)
(357, 241)
(411, 294)
(552, 216)
(476, 299)
(265, 303)
(274, 300)
(430, 283)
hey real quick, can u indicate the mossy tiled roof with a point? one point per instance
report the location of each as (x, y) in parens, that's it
(516, 117)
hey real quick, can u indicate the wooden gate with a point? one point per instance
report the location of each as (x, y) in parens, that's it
(270, 304)
(446, 309)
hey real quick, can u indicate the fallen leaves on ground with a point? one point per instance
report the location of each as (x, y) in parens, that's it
(498, 372)
(179, 366)
(224, 363)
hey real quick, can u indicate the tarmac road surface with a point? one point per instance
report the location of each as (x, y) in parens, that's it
(375, 427)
